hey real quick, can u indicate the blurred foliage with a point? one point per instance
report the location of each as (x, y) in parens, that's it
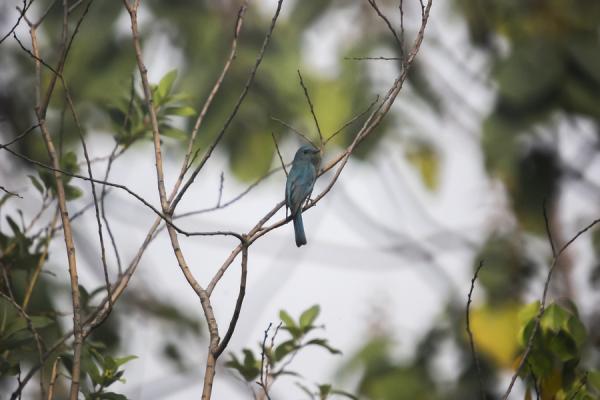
(275, 356)
(551, 65)
(195, 40)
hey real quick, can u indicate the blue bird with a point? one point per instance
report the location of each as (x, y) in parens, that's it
(299, 185)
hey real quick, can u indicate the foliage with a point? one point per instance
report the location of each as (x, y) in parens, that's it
(275, 358)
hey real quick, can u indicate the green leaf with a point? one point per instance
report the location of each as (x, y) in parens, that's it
(528, 312)
(324, 391)
(593, 378)
(249, 369)
(308, 317)
(305, 389)
(36, 183)
(184, 111)
(290, 325)
(284, 349)
(20, 323)
(166, 84)
(112, 396)
(323, 343)
(554, 318)
(72, 192)
(122, 360)
(174, 133)
(563, 346)
(577, 330)
(344, 394)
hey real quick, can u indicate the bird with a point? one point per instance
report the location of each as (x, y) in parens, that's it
(299, 186)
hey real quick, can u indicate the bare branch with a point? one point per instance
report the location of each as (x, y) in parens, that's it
(351, 121)
(387, 22)
(380, 58)
(548, 231)
(10, 192)
(471, 342)
(264, 375)
(312, 110)
(279, 154)
(238, 304)
(21, 16)
(296, 131)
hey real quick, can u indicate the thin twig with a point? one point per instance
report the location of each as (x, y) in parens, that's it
(10, 192)
(296, 131)
(20, 136)
(380, 58)
(548, 232)
(263, 383)
(21, 16)
(352, 120)
(238, 304)
(471, 341)
(312, 109)
(279, 154)
(387, 22)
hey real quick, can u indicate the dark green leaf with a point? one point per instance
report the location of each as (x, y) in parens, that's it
(323, 343)
(284, 349)
(36, 183)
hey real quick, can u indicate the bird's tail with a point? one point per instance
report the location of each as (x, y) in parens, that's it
(299, 229)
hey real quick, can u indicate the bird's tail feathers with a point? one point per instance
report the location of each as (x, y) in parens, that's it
(299, 229)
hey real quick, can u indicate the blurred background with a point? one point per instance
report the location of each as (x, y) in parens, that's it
(499, 117)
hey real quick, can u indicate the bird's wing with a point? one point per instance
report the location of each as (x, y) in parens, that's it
(299, 186)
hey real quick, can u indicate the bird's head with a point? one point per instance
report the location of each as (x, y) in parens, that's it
(308, 153)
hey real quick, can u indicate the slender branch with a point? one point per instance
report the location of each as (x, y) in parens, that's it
(296, 131)
(547, 226)
(10, 192)
(93, 187)
(264, 378)
(279, 154)
(232, 200)
(62, 203)
(352, 120)
(238, 304)
(380, 58)
(20, 136)
(312, 109)
(41, 261)
(21, 16)
(471, 342)
(387, 22)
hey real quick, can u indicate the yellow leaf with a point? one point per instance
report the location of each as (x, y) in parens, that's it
(495, 332)
(425, 160)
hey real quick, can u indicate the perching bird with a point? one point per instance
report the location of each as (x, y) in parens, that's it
(299, 185)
